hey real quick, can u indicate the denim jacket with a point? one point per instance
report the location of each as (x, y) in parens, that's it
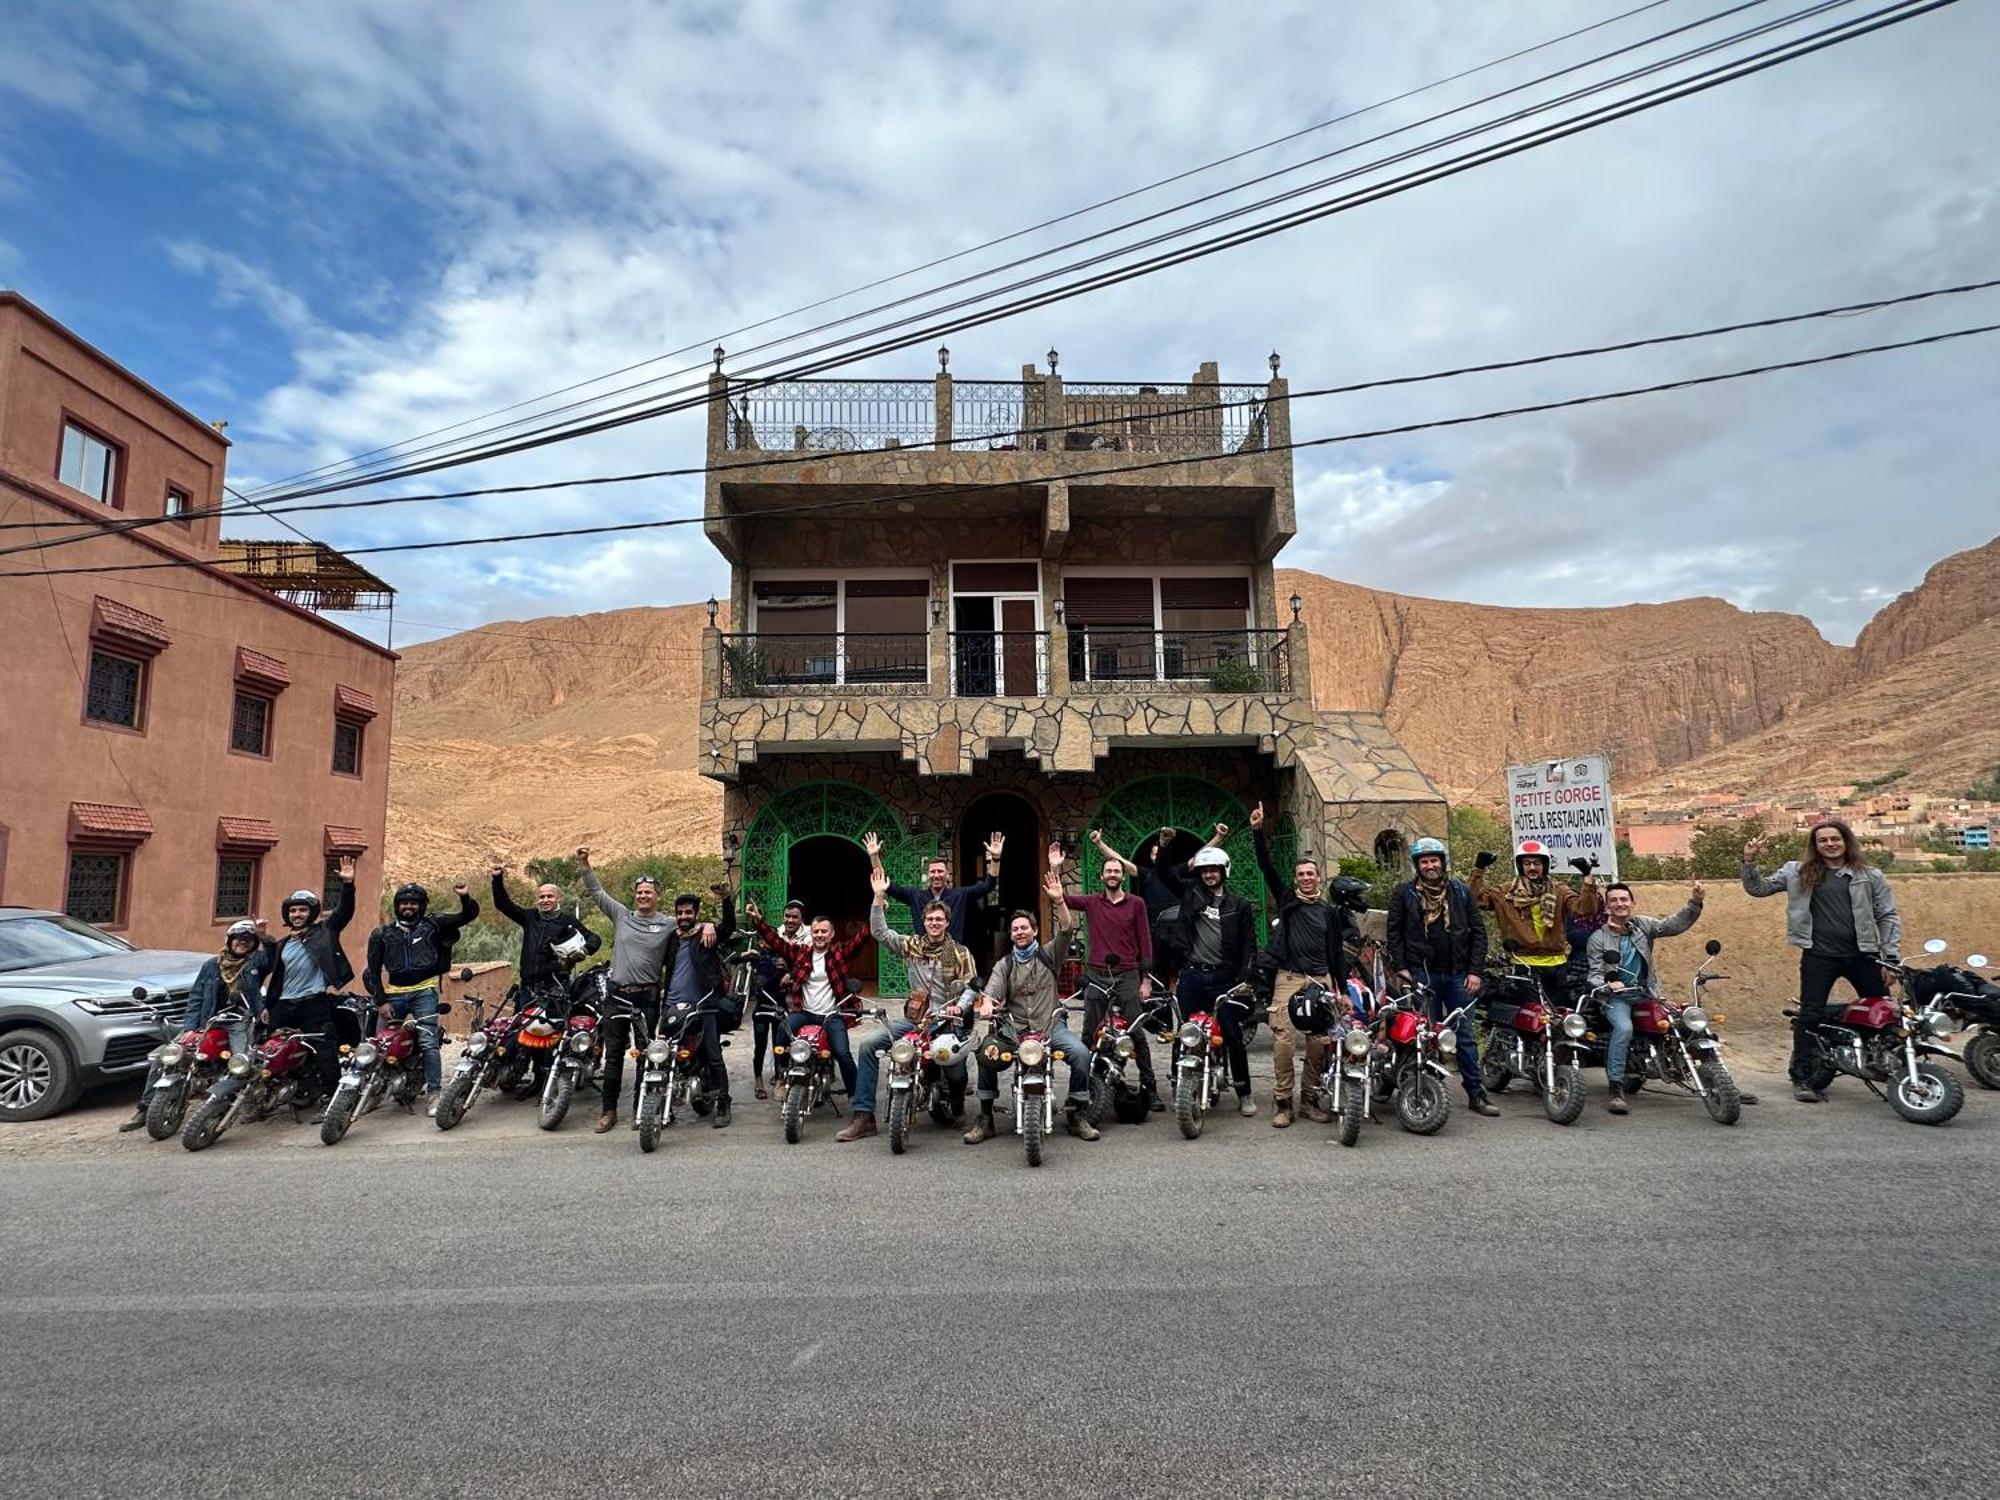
(1877, 928)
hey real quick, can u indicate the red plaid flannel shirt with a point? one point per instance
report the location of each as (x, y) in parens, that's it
(839, 954)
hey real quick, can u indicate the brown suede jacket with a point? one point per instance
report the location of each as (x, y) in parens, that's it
(1517, 923)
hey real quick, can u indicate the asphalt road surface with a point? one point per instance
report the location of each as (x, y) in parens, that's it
(1655, 1305)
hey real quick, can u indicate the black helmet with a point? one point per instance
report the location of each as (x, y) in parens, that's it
(411, 891)
(301, 898)
(1312, 1010)
(1350, 893)
(1130, 1106)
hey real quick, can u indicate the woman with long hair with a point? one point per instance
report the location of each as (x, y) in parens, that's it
(1840, 911)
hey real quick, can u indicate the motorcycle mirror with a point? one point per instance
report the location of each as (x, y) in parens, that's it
(1712, 947)
(1935, 945)
(1975, 960)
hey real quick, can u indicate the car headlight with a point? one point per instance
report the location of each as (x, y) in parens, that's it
(239, 1067)
(170, 1056)
(579, 1041)
(1124, 1048)
(365, 1055)
(658, 1051)
(1355, 1044)
(902, 1052)
(118, 1007)
(1191, 1035)
(1573, 1025)
(1033, 1052)
(1695, 1018)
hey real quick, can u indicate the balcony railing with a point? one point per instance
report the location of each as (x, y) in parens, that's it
(999, 415)
(999, 663)
(834, 416)
(1195, 418)
(1218, 661)
(758, 665)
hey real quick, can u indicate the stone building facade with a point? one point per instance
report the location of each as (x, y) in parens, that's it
(1028, 606)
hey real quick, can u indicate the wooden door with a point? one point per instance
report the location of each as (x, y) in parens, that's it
(1018, 677)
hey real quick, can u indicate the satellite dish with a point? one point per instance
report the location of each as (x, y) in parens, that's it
(831, 440)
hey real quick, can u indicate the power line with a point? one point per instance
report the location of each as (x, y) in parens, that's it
(959, 491)
(1843, 310)
(355, 460)
(1539, 136)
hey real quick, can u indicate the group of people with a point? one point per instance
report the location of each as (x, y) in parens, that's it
(1153, 924)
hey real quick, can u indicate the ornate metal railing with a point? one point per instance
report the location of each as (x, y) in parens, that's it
(999, 663)
(1212, 661)
(833, 416)
(759, 665)
(1197, 418)
(998, 415)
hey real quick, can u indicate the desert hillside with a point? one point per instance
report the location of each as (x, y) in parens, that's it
(529, 735)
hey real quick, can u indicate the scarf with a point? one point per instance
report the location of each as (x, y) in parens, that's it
(1022, 955)
(232, 970)
(1431, 900)
(1536, 903)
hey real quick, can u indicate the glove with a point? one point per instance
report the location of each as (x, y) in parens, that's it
(1583, 865)
(1485, 858)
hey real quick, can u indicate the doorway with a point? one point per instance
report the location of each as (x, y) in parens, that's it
(1021, 866)
(829, 875)
(997, 649)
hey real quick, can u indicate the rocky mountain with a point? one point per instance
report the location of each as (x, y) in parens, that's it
(528, 736)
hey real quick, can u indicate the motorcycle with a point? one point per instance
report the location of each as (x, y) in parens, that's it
(1677, 1045)
(809, 1070)
(1529, 1037)
(189, 1066)
(1112, 1050)
(670, 1079)
(916, 1065)
(1883, 1044)
(1971, 1000)
(388, 1064)
(491, 1057)
(579, 1051)
(281, 1070)
(1200, 1063)
(1032, 1060)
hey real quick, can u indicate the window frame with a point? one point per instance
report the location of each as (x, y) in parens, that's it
(239, 691)
(144, 694)
(360, 728)
(181, 517)
(1158, 572)
(840, 578)
(256, 864)
(121, 895)
(116, 499)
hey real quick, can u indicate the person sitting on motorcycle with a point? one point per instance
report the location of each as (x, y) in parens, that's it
(1118, 959)
(1533, 912)
(819, 983)
(1436, 934)
(937, 884)
(544, 973)
(1313, 940)
(1217, 937)
(406, 957)
(233, 978)
(1021, 992)
(691, 968)
(939, 971)
(1621, 966)
(307, 968)
(771, 975)
(639, 937)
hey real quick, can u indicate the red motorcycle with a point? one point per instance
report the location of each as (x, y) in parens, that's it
(492, 1057)
(282, 1070)
(389, 1064)
(1880, 1042)
(809, 1066)
(189, 1066)
(1527, 1037)
(1201, 1066)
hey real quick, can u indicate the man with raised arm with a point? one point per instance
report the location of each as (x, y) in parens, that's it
(1118, 961)
(937, 884)
(1621, 967)
(639, 937)
(543, 971)
(1312, 945)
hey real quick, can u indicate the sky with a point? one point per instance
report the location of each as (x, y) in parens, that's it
(342, 225)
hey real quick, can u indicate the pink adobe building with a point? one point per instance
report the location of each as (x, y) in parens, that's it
(182, 745)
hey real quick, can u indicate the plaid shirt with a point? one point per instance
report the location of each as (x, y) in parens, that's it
(799, 957)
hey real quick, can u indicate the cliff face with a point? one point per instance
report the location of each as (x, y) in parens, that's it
(1955, 595)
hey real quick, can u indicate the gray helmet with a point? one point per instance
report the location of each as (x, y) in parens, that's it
(302, 898)
(244, 929)
(1429, 846)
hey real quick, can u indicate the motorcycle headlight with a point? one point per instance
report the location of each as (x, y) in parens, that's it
(579, 1041)
(1123, 1047)
(1695, 1018)
(478, 1042)
(365, 1055)
(170, 1056)
(1355, 1044)
(902, 1052)
(658, 1051)
(1190, 1035)
(1033, 1052)
(1573, 1026)
(1447, 1040)
(1936, 1022)
(239, 1067)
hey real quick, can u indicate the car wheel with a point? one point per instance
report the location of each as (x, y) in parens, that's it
(36, 1077)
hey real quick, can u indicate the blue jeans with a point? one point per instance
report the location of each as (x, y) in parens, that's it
(869, 1066)
(1447, 995)
(1200, 991)
(423, 1004)
(1618, 1011)
(1069, 1046)
(836, 1040)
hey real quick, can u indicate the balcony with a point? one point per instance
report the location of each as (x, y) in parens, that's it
(785, 662)
(1212, 661)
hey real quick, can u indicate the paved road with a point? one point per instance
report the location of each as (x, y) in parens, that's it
(1654, 1305)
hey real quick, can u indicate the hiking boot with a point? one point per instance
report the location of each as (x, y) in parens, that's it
(1281, 1114)
(1246, 1106)
(606, 1123)
(137, 1122)
(1616, 1103)
(1805, 1093)
(859, 1128)
(1311, 1110)
(1155, 1105)
(722, 1116)
(983, 1129)
(1080, 1126)
(1479, 1104)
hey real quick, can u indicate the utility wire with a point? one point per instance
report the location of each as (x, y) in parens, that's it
(1538, 136)
(579, 426)
(785, 460)
(959, 491)
(357, 460)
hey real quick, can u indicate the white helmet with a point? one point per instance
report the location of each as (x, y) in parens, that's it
(570, 948)
(1208, 855)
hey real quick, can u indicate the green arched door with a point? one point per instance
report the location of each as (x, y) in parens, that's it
(1140, 809)
(837, 809)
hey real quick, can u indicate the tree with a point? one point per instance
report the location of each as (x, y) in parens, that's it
(1718, 849)
(1985, 791)
(1470, 829)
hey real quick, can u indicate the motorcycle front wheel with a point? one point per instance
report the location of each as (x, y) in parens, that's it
(1494, 1071)
(1099, 1109)
(1031, 1130)
(206, 1124)
(1982, 1059)
(795, 1111)
(1721, 1097)
(1187, 1106)
(451, 1099)
(167, 1109)
(649, 1123)
(899, 1121)
(339, 1115)
(1350, 1114)
(1931, 1098)
(1564, 1102)
(1423, 1103)
(556, 1096)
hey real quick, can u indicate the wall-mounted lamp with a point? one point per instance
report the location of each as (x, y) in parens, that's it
(718, 359)
(944, 359)
(1059, 611)
(937, 611)
(915, 823)
(713, 606)
(1297, 605)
